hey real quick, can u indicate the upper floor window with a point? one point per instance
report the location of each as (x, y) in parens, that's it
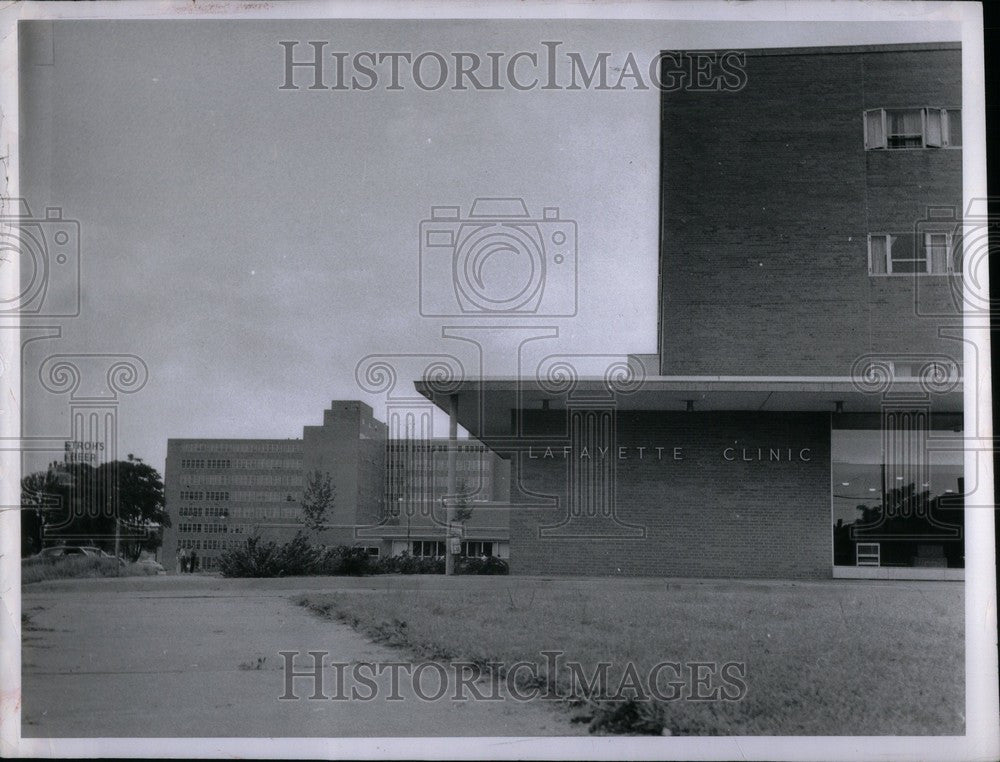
(912, 254)
(913, 128)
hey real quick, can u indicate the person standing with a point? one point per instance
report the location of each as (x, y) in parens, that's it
(194, 562)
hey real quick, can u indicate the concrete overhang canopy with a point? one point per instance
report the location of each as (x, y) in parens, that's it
(483, 406)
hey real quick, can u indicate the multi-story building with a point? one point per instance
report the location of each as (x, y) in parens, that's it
(802, 416)
(221, 491)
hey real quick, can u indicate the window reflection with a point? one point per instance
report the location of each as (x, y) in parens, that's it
(914, 524)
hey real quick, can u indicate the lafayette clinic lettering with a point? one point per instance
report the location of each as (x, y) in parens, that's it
(743, 454)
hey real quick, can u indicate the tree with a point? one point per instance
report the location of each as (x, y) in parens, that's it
(40, 492)
(90, 505)
(462, 507)
(135, 497)
(317, 500)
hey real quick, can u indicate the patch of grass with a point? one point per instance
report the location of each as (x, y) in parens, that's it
(66, 567)
(832, 658)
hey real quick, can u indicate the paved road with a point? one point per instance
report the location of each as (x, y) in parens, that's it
(179, 657)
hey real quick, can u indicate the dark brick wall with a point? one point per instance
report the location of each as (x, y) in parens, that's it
(704, 516)
(768, 198)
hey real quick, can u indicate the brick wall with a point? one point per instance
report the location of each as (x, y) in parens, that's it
(768, 198)
(704, 516)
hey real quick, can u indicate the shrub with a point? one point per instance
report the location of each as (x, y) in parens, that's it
(407, 564)
(483, 565)
(342, 559)
(296, 557)
(355, 562)
(37, 569)
(253, 558)
(629, 717)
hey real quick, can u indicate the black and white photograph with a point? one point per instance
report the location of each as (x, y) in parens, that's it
(522, 380)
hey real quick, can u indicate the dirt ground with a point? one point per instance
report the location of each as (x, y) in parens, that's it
(197, 656)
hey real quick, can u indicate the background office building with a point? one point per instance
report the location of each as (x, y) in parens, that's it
(388, 493)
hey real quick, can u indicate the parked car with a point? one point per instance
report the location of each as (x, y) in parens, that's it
(58, 551)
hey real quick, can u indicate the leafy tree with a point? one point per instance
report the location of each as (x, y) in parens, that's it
(40, 492)
(462, 507)
(135, 496)
(317, 501)
(81, 502)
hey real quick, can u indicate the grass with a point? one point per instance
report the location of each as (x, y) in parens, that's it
(833, 658)
(42, 569)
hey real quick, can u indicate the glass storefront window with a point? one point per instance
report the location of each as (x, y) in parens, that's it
(902, 493)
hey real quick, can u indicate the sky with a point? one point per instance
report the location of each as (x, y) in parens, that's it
(251, 245)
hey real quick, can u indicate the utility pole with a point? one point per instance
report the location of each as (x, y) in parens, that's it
(449, 557)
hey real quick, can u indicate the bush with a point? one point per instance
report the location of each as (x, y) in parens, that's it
(253, 558)
(37, 569)
(256, 558)
(297, 557)
(342, 559)
(629, 717)
(482, 565)
(407, 564)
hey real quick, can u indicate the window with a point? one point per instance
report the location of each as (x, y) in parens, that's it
(912, 254)
(428, 548)
(913, 128)
(477, 548)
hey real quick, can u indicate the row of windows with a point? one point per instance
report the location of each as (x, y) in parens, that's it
(913, 254)
(289, 464)
(215, 480)
(271, 513)
(292, 445)
(266, 497)
(208, 544)
(241, 497)
(435, 548)
(226, 528)
(417, 445)
(428, 548)
(246, 480)
(229, 527)
(204, 463)
(913, 128)
(203, 510)
(268, 463)
(184, 528)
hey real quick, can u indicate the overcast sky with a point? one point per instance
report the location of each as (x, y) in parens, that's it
(253, 244)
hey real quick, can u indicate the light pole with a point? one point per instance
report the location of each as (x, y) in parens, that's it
(408, 548)
(449, 556)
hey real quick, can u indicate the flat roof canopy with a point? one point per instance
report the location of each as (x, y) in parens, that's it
(484, 406)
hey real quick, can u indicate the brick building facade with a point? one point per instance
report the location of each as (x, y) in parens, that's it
(802, 417)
